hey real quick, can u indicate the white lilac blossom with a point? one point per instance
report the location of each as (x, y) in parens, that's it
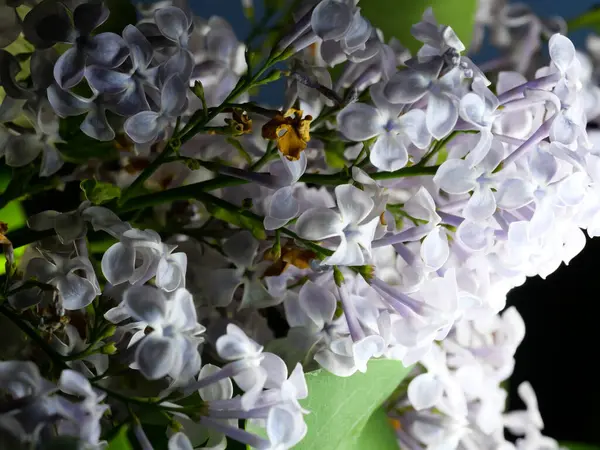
(226, 247)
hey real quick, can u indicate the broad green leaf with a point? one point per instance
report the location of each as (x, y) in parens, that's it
(395, 17)
(99, 192)
(579, 446)
(377, 433)
(12, 214)
(121, 440)
(122, 13)
(340, 407)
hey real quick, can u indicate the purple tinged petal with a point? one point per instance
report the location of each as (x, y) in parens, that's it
(155, 356)
(173, 99)
(65, 103)
(442, 114)
(118, 263)
(331, 19)
(389, 153)
(132, 101)
(406, 86)
(69, 69)
(180, 64)
(106, 49)
(107, 81)
(96, 125)
(319, 223)
(359, 122)
(88, 16)
(76, 292)
(172, 23)
(143, 127)
(140, 49)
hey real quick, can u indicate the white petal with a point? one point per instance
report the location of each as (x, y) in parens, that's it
(389, 153)
(317, 303)
(562, 51)
(316, 224)
(472, 235)
(146, 303)
(283, 204)
(514, 193)
(406, 86)
(367, 348)
(347, 254)
(434, 249)
(331, 20)
(481, 205)
(170, 274)
(472, 109)
(155, 356)
(424, 391)
(118, 263)
(413, 124)
(179, 441)
(241, 248)
(354, 204)
(285, 426)
(76, 292)
(256, 296)
(442, 115)
(222, 389)
(455, 177)
(235, 344)
(572, 189)
(275, 368)
(74, 383)
(359, 122)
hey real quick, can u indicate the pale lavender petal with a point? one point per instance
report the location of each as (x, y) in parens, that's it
(141, 50)
(106, 49)
(69, 68)
(143, 127)
(106, 80)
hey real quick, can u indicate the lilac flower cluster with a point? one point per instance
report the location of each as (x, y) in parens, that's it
(383, 214)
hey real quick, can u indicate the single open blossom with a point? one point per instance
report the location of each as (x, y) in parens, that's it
(74, 279)
(394, 131)
(423, 81)
(241, 250)
(171, 347)
(106, 49)
(145, 126)
(127, 87)
(141, 255)
(348, 225)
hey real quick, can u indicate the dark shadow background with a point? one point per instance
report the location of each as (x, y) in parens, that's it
(559, 354)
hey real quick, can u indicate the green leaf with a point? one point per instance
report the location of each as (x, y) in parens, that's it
(377, 433)
(579, 446)
(122, 13)
(99, 192)
(341, 407)
(334, 154)
(120, 441)
(80, 149)
(395, 17)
